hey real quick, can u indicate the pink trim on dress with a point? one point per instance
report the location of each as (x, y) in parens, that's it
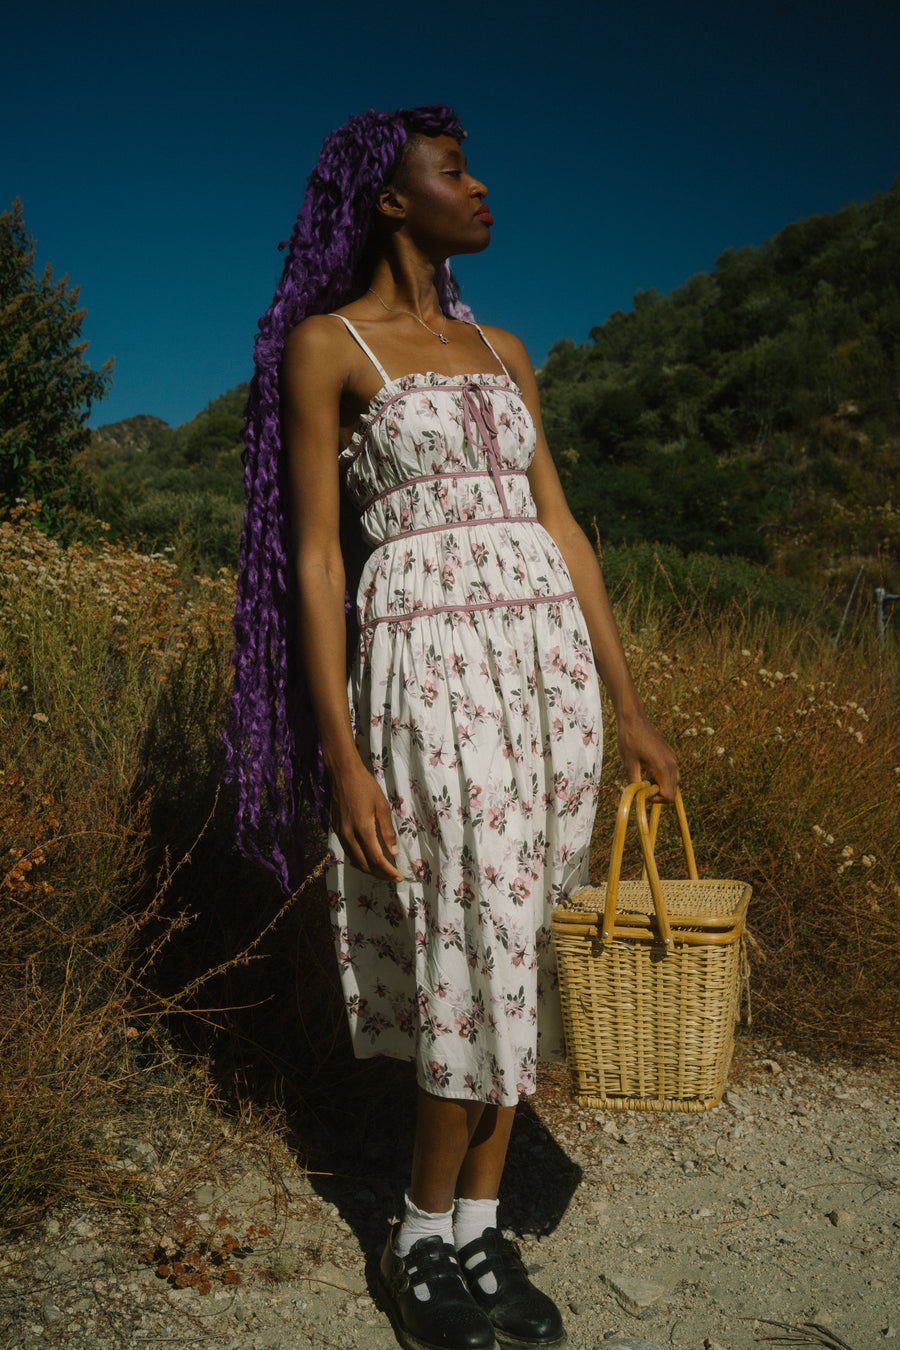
(478, 382)
(508, 602)
(437, 478)
(454, 525)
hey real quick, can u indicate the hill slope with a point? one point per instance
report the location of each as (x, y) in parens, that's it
(755, 409)
(177, 488)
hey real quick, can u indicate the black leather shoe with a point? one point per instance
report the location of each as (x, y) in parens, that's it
(449, 1319)
(522, 1316)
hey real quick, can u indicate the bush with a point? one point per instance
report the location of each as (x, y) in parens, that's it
(668, 585)
(97, 647)
(203, 527)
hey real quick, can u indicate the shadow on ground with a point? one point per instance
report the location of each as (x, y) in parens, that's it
(272, 1034)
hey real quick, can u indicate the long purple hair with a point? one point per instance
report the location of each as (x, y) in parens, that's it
(273, 753)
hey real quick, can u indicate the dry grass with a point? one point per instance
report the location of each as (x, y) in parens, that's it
(113, 677)
(808, 1333)
(790, 758)
(89, 641)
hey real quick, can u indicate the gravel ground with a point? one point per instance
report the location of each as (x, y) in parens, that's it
(781, 1206)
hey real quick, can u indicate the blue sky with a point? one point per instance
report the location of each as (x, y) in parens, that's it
(161, 153)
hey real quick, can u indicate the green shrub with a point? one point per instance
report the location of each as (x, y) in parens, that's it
(658, 581)
(203, 527)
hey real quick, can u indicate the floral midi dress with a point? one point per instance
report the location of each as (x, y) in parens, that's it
(475, 703)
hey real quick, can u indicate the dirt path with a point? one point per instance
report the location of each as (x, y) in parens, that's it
(650, 1231)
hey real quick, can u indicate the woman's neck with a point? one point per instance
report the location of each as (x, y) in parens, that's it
(408, 285)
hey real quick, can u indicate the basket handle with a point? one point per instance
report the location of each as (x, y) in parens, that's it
(636, 794)
(682, 829)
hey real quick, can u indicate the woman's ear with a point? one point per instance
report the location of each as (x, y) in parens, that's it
(389, 204)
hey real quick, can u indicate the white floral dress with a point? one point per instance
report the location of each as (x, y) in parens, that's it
(475, 703)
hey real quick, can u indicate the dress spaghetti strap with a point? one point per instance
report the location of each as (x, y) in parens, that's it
(492, 349)
(367, 349)
(380, 368)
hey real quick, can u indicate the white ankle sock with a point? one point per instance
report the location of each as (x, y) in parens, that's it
(470, 1219)
(418, 1223)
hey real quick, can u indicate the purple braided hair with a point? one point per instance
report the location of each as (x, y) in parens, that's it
(273, 752)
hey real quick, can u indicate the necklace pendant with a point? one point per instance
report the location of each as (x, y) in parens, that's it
(443, 339)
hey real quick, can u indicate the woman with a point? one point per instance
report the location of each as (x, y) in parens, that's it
(462, 772)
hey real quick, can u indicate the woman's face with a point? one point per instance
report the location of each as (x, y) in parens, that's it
(442, 206)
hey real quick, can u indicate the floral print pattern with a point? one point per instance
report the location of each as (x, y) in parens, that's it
(475, 703)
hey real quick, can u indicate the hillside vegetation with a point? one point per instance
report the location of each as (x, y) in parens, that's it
(753, 411)
(176, 489)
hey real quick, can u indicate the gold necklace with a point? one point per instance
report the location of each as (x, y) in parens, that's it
(433, 331)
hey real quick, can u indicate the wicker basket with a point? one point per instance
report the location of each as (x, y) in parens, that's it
(650, 976)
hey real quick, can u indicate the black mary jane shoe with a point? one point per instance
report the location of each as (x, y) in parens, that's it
(522, 1316)
(449, 1319)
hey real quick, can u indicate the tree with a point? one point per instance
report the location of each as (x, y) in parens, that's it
(46, 385)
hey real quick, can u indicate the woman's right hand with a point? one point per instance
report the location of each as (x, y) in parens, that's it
(361, 819)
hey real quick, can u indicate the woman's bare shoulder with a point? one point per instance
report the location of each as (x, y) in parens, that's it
(318, 338)
(511, 351)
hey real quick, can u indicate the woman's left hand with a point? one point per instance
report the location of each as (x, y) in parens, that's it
(646, 755)
(644, 752)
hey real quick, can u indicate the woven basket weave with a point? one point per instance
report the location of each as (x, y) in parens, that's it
(650, 978)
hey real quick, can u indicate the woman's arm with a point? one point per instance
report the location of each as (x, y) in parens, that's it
(313, 374)
(643, 750)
